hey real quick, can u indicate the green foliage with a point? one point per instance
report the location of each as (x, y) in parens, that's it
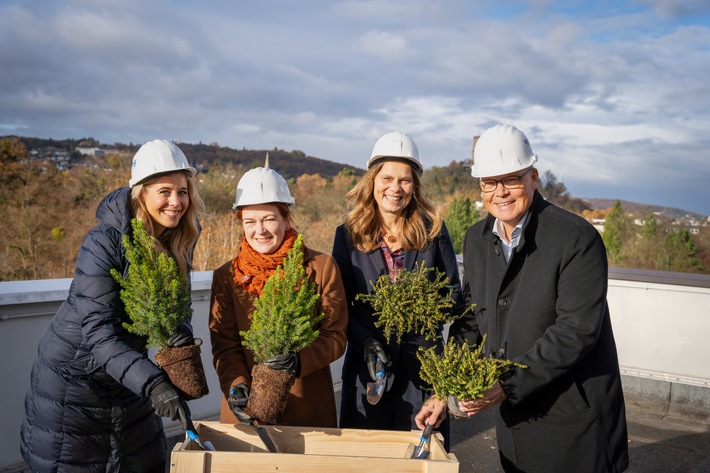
(413, 303)
(616, 232)
(679, 253)
(442, 182)
(649, 229)
(462, 371)
(155, 291)
(283, 319)
(460, 215)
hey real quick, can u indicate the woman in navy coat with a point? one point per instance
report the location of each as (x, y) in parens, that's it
(391, 226)
(94, 392)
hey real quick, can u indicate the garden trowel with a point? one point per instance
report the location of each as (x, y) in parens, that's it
(421, 452)
(194, 436)
(264, 436)
(376, 388)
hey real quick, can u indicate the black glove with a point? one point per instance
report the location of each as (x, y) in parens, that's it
(167, 402)
(375, 357)
(182, 337)
(290, 362)
(237, 400)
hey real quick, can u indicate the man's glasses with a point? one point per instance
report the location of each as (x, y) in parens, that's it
(509, 182)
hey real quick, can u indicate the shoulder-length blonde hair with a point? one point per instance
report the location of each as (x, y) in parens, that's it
(178, 242)
(421, 221)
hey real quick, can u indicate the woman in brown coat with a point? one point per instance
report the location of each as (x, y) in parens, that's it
(263, 201)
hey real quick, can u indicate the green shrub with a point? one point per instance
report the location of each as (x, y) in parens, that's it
(411, 304)
(462, 371)
(283, 319)
(155, 291)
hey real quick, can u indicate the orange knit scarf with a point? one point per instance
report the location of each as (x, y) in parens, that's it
(252, 269)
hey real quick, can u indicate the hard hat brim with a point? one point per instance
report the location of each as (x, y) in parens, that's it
(416, 165)
(190, 171)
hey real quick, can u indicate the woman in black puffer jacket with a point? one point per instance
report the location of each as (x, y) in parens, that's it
(94, 392)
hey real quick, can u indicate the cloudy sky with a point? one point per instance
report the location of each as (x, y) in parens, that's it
(613, 94)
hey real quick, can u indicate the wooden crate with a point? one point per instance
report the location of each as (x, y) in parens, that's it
(304, 449)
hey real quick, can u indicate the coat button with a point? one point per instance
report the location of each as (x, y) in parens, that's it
(496, 252)
(502, 302)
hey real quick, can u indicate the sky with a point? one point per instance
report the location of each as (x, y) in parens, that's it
(614, 95)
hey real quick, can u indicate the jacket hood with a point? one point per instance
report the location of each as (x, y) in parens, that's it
(115, 210)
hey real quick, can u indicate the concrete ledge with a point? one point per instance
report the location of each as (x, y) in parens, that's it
(667, 399)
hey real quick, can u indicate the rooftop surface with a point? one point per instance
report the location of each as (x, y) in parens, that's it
(658, 443)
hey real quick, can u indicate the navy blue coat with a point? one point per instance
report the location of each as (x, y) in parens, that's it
(88, 407)
(546, 308)
(404, 395)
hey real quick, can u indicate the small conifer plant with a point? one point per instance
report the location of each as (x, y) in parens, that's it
(283, 320)
(154, 292)
(462, 371)
(413, 303)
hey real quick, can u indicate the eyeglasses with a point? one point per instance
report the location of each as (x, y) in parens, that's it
(509, 182)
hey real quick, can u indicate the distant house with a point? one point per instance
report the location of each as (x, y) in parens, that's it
(90, 151)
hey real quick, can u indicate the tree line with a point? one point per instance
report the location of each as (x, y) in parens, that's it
(47, 212)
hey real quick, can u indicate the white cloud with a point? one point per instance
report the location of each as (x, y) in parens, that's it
(615, 100)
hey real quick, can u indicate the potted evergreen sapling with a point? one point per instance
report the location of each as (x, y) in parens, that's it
(461, 372)
(283, 322)
(412, 304)
(157, 300)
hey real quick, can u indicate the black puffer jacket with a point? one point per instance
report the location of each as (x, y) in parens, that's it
(88, 407)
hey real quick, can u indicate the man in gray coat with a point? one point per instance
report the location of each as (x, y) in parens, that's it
(538, 277)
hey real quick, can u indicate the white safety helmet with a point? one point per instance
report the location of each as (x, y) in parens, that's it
(500, 150)
(262, 186)
(158, 157)
(398, 146)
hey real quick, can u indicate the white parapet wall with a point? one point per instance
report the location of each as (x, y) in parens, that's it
(661, 323)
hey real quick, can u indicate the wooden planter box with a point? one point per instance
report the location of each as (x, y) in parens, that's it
(304, 449)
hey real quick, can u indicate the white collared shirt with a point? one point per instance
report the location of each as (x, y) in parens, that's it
(509, 246)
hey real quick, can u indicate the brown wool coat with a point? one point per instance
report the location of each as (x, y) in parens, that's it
(312, 400)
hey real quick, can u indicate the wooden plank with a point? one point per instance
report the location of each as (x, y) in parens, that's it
(184, 462)
(307, 449)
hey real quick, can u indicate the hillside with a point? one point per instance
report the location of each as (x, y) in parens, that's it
(290, 164)
(641, 210)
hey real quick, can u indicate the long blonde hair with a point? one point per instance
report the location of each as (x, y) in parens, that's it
(178, 242)
(420, 223)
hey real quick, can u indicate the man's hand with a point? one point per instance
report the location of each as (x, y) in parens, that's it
(432, 410)
(375, 357)
(167, 402)
(290, 362)
(237, 401)
(495, 395)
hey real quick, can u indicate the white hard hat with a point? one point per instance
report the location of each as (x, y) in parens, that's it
(396, 145)
(500, 150)
(158, 157)
(262, 186)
